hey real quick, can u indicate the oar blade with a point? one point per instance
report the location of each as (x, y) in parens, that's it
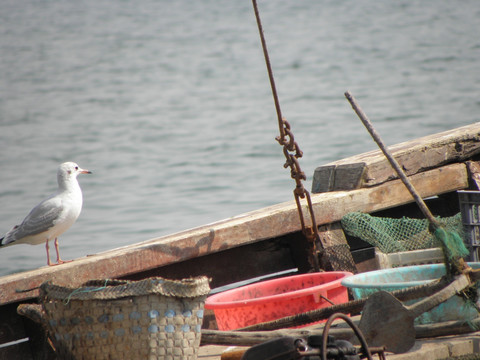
(387, 322)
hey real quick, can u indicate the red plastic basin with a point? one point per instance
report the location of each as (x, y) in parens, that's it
(274, 299)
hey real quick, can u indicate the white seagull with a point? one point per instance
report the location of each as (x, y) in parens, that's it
(53, 216)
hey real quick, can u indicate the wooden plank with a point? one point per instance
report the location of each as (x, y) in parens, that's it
(473, 168)
(243, 262)
(333, 177)
(429, 345)
(267, 223)
(372, 168)
(336, 256)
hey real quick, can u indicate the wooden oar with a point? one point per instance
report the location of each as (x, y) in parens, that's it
(387, 322)
(393, 162)
(452, 244)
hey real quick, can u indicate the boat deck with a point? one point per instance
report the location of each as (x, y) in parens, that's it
(426, 349)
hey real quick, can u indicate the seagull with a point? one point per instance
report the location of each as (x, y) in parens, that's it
(54, 215)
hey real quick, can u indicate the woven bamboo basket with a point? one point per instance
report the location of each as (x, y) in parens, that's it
(149, 319)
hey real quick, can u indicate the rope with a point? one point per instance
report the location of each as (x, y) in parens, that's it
(103, 289)
(84, 290)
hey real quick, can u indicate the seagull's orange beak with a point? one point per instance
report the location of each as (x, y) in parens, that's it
(84, 171)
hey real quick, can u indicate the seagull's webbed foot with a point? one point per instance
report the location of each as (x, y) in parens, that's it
(60, 261)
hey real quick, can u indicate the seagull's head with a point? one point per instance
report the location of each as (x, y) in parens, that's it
(69, 170)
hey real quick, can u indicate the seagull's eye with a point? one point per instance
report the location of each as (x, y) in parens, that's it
(76, 167)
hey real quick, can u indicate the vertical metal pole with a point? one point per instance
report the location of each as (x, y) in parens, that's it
(270, 72)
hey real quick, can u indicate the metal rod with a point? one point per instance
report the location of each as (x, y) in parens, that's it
(270, 71)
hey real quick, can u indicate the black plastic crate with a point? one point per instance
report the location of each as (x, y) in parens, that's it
(470, 209)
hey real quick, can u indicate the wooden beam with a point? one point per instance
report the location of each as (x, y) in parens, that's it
(337, 255)
(266, 223)
(243, 262)
(250, 338)
(372, 168)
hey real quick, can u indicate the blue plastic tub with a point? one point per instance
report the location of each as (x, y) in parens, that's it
(362, 285)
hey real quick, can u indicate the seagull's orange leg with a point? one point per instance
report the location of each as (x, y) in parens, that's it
(48, 254)
(59, 261)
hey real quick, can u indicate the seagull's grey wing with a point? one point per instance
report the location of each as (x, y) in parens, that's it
(40, 219)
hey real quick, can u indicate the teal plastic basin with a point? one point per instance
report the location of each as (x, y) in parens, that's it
(364, 284)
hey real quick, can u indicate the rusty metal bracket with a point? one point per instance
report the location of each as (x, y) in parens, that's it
(292, 153)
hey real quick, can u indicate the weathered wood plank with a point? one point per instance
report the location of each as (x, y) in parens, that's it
(372, 168)
(250, 338)
(336, 249)
(243, 262)
(267, 223)
(473, 168)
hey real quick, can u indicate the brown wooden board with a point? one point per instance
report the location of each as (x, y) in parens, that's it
(372, 168)
(240, 263)
(267, 223)
(337, 255)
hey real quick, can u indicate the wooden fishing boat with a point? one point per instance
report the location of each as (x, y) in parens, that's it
(268, 240)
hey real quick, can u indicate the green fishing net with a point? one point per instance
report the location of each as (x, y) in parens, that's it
(393, 235)
(405, 234)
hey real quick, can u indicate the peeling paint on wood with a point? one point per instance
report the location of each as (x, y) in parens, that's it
(415, 156)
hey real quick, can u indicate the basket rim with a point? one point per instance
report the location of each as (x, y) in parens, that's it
(108, 289)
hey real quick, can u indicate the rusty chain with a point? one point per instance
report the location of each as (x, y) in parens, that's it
(292, 153)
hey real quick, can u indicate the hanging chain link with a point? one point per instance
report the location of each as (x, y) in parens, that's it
(292, 153)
